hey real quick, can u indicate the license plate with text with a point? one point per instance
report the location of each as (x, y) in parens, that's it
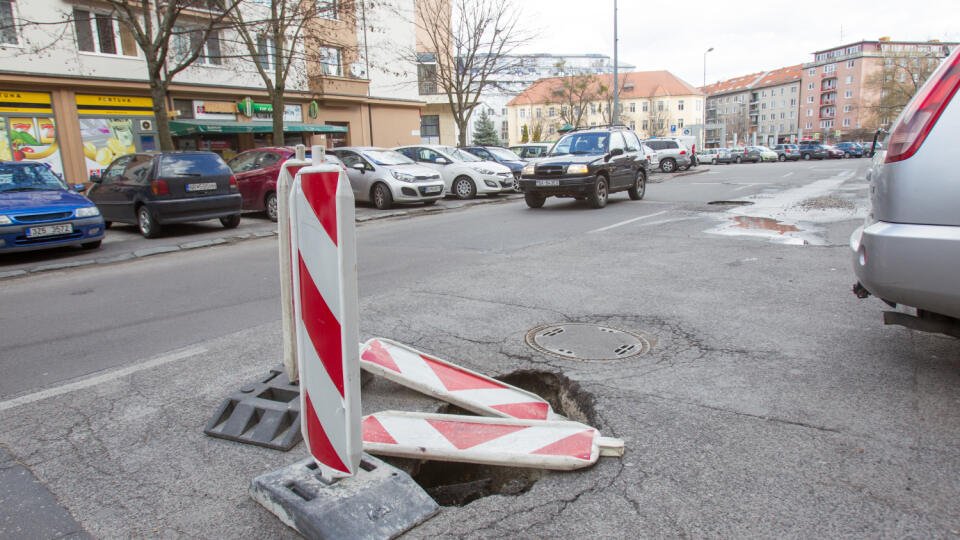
(548, 183)
(49, 230)
(205, 186)
(433, 189)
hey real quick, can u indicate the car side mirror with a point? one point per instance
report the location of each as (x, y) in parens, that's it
(442, 161)
(96, 178)
(79, 188)
(615, 152)
(360, 167)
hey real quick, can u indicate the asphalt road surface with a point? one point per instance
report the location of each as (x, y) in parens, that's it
(772, 401)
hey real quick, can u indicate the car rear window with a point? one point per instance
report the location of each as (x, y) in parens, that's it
(193, 165)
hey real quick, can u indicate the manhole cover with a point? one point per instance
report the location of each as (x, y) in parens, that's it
(581, 341)
(730, 203)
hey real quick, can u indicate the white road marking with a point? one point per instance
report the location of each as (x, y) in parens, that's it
(100, 379)
(622, 223)
(786, 175)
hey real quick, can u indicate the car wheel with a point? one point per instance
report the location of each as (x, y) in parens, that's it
(430, 203)
(107, 224)
(781, 158)
(639, 187)
(534, 200)
(806, 157)
(713, 161)
(463, 188)
(270, 204)
(230, 222)
(92, 245)
(149, 228)
(739, 159)
(382, 198)
(668, 165)
(598, 198)
(516, 185)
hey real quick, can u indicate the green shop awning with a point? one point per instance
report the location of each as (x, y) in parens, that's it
(179, 128)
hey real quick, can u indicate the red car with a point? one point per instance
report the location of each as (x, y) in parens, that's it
(257, 171)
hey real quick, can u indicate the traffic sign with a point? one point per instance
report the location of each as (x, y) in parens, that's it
(449, 382)
(324, 270)
(673, 128)
(492, 441)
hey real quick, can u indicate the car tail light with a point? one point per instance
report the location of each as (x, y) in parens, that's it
(923, 111)
(683, 152)
(233, 183)
(159, 187)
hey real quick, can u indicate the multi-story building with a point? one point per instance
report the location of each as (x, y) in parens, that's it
(759, 108)
(83, 97)
(842, 86)
(654, 103)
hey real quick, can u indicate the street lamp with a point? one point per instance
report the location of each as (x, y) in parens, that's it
(705, 66)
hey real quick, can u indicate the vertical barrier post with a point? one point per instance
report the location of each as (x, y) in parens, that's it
(324, 270)
(284, 182)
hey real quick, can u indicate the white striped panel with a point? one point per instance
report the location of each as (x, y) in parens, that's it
(327, 403)
(414, 432)
(494, 396)
(530, 440)
(320, 255)
(415, 368)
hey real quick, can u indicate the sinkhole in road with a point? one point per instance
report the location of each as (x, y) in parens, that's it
(459, 484)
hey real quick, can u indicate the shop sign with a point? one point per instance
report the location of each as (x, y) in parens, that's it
(263, 112)
(314, 109)
(293, 113)
(213, 110)
(25, 102)
(114, 105)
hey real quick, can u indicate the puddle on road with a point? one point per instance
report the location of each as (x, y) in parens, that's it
(764, 224)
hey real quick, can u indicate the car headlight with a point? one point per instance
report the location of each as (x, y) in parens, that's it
(87, 211)
(403, 177)
(485, 171)
(5, 220)
(528, 168)
(578, 168)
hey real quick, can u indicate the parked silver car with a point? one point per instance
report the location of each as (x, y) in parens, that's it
(908, 251)
(672, 153)
(385, 177)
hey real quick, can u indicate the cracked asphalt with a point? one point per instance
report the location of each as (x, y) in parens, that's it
(773, 403)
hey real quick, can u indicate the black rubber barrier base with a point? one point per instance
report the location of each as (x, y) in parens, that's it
(265, 413)
(380, 501)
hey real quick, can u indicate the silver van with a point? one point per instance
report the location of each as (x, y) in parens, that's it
(907, 253)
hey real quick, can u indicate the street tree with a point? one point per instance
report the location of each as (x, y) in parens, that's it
(574, 94)
(471, 42)
(536, 134)
(485, 132)
(899, 78)
(659, 119)
(524, 134)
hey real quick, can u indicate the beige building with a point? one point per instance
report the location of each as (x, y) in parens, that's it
(759, 108)
(654, 103)
(841, 87)
(85, 99)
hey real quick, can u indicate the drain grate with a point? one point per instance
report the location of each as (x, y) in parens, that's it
(586, 342)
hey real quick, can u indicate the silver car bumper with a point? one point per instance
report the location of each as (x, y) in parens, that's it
(913, 265)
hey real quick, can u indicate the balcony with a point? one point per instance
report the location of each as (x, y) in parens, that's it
(339, 86)
(826, 115)
(828, 101)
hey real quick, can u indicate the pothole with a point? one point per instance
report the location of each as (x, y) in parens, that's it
(765, 224)
(459, 484)
(586, 342)
(730, 203)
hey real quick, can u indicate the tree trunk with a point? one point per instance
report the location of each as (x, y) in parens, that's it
(158, 93)
(277, 102)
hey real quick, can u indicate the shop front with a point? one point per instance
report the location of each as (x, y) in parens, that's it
(114, 126)
(28, 131)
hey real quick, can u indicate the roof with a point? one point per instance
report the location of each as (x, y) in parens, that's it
(761, 79)
(634, 85)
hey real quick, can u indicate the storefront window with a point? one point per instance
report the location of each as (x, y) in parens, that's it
(27, 129)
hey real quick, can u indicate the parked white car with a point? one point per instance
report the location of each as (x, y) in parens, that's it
(385, 177)
(464, 174)
(650, 154)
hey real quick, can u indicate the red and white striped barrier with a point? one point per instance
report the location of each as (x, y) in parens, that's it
(288, 171)
(492, 441)
(324, 269)
(451, 383)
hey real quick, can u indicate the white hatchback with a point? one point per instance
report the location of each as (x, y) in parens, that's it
(464, 174)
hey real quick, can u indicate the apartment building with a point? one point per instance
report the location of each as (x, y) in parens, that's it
(654, 103)
(75, 95)
(759, 108)
(842, 87)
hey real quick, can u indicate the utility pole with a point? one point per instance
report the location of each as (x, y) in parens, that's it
(615, 115)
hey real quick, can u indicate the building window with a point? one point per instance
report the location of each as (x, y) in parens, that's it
(552, 112)
(430, 126)
(680, 105)
(523, 113)
(8, 24)
(849, 79)
(265, 52)
(829, 68)
(504, 130)
(793, 89)
(633, 107)
(851, 63)
(644, 125)
(826, 123)
(660, 106)
(792, 113)
(187, 40)
(330, 61)
(846, 122)
(809, 125)
(427, 75)
(503, 111)
(783, 115)
(847, 108)
(100, 33)
(645, 106)
(328, 9)
(633, 125)
(809, 99)
(848, 94)
(536, 112)
(809, 113)
(812, 71)
(810, 86)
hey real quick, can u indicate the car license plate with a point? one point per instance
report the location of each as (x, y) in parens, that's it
(548, 183)
(433, 189)
(205, 186)
(49, 230)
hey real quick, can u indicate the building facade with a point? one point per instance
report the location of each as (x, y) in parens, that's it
(654, 103)
(83, 98)
(842, 87)
(759, 108)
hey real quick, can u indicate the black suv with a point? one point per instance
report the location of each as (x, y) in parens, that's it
(588, 164)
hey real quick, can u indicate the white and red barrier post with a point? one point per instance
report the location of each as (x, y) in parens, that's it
(323, 266)
(285, 179)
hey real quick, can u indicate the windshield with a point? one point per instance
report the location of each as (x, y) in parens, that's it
(387, 157)
(458, 154)
(582, 144)
(503, 153)
(29, 178)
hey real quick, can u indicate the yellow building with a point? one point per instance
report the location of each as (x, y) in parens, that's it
(654, 103)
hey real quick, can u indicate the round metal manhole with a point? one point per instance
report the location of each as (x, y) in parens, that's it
(587, 342)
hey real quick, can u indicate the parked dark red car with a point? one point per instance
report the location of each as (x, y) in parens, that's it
(257, 171)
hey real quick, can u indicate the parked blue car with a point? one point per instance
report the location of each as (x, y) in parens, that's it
(38, 210)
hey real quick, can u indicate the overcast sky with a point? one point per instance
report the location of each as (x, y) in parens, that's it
(746, 37)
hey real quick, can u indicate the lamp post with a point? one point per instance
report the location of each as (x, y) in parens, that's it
(705, 66)
(615, 114)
